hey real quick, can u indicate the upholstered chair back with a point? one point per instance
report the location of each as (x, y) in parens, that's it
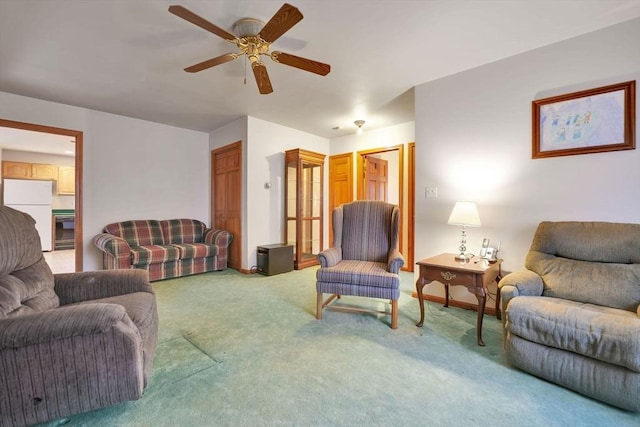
(589, 262)
(26, 281)
(366, 230)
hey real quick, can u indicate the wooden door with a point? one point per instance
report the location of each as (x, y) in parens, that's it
(340, 185)
(226, 209)
(375, 178)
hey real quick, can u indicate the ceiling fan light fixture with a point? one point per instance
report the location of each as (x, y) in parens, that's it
(247, 27)
(359, 124)
(253, 38)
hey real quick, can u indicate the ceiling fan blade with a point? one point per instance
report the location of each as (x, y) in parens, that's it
(280, 23)
(262, 78)
(187, 15)
(211, 62)
(301, 63)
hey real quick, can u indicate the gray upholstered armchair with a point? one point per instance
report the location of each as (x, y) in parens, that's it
(69, 343)
(364, 260)
(573, 316)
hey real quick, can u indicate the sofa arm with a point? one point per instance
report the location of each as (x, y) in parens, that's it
(59, 323)
(330, 257)
(90, 285)
(525, 283)
(117, 252)
(395, 261)
(220, 238)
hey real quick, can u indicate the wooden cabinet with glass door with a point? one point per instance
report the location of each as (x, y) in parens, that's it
(304, 177)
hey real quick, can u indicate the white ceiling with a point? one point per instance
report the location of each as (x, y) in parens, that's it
(127, 56)
(37, 142)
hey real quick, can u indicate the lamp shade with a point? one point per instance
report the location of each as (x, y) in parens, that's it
(465, 213)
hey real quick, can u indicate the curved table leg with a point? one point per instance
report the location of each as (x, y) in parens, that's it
(419, 285)
(482, 300)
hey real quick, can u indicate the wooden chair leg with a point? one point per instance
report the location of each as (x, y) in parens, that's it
(394, 314)
(319, 306)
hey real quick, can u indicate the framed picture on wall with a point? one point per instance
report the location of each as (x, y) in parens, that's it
(589, 121)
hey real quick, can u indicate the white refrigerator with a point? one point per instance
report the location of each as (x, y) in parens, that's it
(34, 198)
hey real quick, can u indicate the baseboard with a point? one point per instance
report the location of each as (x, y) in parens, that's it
(491, 311)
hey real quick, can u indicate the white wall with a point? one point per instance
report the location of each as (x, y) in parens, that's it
(267, 143)
(133, 169)
(473, 141)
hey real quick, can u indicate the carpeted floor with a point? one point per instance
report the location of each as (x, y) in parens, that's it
(238, 350)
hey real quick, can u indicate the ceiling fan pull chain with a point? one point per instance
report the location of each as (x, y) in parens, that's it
(245, 70)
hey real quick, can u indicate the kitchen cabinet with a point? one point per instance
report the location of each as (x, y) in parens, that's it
(66, 181)
(24, 170)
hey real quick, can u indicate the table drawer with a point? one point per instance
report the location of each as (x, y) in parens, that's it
(449, 276)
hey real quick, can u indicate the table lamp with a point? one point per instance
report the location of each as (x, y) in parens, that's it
(466, 215)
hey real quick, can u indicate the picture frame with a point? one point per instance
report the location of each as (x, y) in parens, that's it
(589, 121)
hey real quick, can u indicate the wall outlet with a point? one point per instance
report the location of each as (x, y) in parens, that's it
(431, 192)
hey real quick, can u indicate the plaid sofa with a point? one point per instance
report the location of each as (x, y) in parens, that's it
(166, 249)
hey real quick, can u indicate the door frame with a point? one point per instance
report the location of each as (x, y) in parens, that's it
(78, 135)
(401, 203)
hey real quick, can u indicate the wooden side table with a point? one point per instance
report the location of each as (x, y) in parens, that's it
(474, 274)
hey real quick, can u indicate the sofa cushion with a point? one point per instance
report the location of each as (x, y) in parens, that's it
(196, 250)
(365, 273)
(153, 254)
(26, 281)
(603, 333)
(182, 231)
(140, 232)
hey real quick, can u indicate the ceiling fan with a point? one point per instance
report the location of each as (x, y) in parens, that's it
(253, 39)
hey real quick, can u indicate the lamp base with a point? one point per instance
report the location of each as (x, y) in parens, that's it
(461, 257)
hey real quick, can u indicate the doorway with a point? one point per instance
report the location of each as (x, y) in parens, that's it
(78, 137)
(396, 190)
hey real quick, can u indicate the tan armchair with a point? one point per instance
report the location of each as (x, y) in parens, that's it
(572, 317)
(69, 343)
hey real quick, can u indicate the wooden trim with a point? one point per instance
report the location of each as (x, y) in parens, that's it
(78, 135)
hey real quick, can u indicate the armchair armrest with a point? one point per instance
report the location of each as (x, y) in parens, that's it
(330, 257)
(221, 238)
(395, 261)
(525, 282)
(59, 323)
(114, 247)
(90, 285)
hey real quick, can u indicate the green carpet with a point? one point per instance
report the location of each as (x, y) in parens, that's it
(238, 350)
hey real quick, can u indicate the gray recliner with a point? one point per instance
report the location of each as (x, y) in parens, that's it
(69, 343)
(573, 317)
